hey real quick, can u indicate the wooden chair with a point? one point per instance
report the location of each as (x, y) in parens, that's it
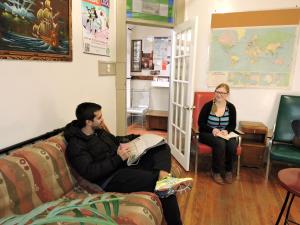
(289, 179)
(200, 99)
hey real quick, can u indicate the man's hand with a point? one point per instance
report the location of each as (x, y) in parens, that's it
(215, 131)
(123, 151)
(103, 126)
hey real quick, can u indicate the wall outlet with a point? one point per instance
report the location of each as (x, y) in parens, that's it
(106, 68)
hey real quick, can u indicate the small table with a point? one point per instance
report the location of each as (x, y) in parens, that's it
(253, 143)
(289, 179)
(157, 119)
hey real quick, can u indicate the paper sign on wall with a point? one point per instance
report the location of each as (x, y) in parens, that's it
(95, 24)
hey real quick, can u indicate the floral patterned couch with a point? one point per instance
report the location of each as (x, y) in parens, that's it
(38, 187)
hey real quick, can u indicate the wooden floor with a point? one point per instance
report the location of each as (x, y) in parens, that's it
(138, 129)
(248, 201)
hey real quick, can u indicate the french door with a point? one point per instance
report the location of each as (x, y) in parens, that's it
(182, 91)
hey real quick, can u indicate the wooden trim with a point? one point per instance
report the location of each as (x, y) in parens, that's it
(141, 77)
(121, 57)
(256, 18)
(179, 11)
(148, 23)
(146, 77)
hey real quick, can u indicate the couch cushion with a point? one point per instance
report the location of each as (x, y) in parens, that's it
(32, 175)
(18, 193)
(60, 142)
(135, 208)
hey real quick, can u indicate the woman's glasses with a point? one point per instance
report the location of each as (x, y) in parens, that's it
(221, 93)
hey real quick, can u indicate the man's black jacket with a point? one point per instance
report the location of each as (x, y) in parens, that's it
(94, 157)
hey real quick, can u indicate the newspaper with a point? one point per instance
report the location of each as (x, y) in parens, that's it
(140, 145)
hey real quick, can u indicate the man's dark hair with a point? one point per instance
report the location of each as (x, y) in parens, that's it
(86, 111)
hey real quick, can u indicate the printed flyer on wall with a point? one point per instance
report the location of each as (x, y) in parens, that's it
(95, 21)
(155, 10)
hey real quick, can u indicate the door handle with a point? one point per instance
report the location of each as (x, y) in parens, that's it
(189, 108)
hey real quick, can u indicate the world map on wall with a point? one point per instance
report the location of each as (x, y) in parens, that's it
(252, 57)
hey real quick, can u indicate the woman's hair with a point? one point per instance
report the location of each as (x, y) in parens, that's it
(222, 85)
(225, 86)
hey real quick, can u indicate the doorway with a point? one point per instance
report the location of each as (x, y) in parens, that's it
(150, 67)
(148, 73)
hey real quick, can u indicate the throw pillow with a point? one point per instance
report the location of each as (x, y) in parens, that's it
(296, 128)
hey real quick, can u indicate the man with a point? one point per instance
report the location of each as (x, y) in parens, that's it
(100, 157)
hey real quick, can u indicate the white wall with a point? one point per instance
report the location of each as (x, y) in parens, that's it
(38, 96)
(252, 104)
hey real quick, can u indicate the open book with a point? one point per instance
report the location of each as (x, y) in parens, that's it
(140, 145)
(228, 136)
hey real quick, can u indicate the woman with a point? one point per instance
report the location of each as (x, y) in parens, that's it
(217, 118)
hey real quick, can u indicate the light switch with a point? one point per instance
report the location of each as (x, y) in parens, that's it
(106, 68)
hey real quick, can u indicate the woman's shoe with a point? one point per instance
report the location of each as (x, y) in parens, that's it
(228, 177)
(217, 178)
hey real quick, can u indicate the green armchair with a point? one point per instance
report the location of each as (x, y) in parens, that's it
(281, 148)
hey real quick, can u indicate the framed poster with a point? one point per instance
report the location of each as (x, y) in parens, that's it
(36, 30)
(136, 55)
(154, 10)
(96, 31)
(253, 57)
(147, 61)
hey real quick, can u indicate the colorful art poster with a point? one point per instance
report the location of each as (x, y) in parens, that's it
(155, 10)
(95, 22)
(35, 30)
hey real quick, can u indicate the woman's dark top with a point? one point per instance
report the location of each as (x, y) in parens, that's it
(219, 122)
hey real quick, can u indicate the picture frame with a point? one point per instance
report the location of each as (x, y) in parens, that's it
(161, 12)
(136, 55)
(36, 30)
(147, 61)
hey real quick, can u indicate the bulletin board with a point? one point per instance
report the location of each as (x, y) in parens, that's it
(253, 49)
(256, 18)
